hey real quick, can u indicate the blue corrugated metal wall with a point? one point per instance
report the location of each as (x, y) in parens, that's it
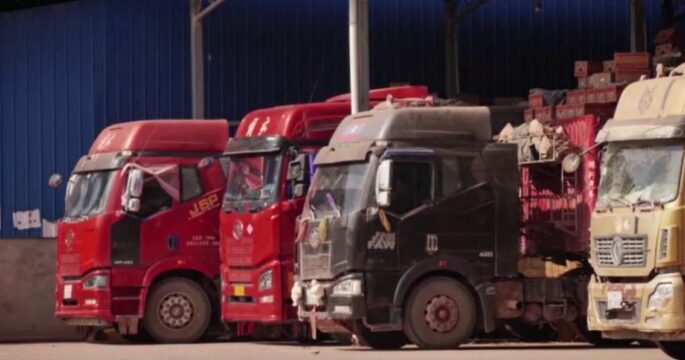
(67, 71)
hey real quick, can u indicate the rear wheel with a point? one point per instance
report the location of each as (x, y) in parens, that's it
(440, 313)
(177, 311)
(387, 340)
(674, 349)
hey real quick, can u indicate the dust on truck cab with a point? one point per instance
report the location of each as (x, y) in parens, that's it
(637, 226)
(138, 246)
(270, 164)
(416, 226)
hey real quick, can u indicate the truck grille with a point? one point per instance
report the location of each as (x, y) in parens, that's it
(621, 250)
(316, 266)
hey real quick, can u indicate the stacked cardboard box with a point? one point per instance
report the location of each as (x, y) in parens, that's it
(668, 46)
(600, 84)
(538, 108)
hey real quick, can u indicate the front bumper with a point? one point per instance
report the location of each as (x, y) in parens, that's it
(636, 320)
(82, 307)
(330, 306)
(242, 301)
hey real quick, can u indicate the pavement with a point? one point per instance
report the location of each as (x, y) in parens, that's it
(293, 351)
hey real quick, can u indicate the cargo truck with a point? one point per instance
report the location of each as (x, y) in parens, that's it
(263, 200)
(637, 226)
(138, 246)
(416, 224)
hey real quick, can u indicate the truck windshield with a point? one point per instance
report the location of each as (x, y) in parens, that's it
(253, 179)
(633, 174)
(87, 193)
(337, 189)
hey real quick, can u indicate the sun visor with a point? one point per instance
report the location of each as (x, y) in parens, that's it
(344, 152)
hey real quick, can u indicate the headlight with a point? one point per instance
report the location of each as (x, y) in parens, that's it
(95, 282)
(348, 287)
(663, 244)
(266, 280)
(661, 296)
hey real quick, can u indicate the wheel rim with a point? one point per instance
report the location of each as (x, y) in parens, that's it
(441, 314)
(176, 311)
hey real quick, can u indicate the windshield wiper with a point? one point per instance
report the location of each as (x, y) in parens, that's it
(652, 204)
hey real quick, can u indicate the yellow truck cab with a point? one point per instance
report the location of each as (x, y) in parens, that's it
(636, 253)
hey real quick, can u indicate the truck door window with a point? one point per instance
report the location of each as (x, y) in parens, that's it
(451, 175)
(191, 186)
(458, 173)
(412, 186)
(154, 198)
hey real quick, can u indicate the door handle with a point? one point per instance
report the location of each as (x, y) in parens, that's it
(172, 242)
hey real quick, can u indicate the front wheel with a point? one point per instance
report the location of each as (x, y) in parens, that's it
(440, 313)
(674, 349)
(177, 311)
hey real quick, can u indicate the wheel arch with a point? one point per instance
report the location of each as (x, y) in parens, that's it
(198, 275)
(459, 271)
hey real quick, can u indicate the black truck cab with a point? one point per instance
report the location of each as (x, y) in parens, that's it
(404, 224)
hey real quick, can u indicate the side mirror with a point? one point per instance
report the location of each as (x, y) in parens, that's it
(134, 184)
(296, 168)
(298, 190)
(133, 205)
(205, 162)
(571, 163)
(130, 201)
(383, 183)
(55, 180)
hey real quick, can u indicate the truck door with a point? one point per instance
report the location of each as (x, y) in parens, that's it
(413, 191)
(159, 230)
(446, 207)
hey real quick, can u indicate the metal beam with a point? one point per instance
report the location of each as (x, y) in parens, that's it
(197, 73)
(359, 54)
(197, 65)
(470, 7)
(451, 50)
(638, 30)
(454, 15)
(213, 5)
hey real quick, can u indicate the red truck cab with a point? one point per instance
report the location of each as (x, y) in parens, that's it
(138, 243)
(264, 197)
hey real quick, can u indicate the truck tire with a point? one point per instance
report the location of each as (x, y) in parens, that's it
(387, 340)
(674, 349)
(177, 311)
(440, 313)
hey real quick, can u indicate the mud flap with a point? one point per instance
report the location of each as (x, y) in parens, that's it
(486, 294)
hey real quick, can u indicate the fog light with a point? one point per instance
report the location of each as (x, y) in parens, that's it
(266, 299)
(661, 296)
(91, 302)
(95, 282)
(652, 321)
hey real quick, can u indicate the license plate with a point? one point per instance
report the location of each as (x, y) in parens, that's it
(238, 290)
(614, 300)
(68, 289)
